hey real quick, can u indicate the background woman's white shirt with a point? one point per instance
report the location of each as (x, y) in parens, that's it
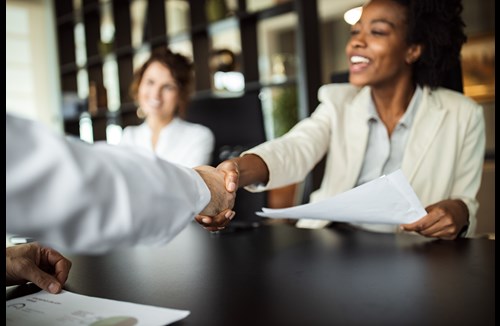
(180, 142)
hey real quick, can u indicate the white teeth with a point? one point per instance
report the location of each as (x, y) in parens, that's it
(359, 59)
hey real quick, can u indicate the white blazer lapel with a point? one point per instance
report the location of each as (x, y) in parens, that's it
(357, 130)
(428, 119)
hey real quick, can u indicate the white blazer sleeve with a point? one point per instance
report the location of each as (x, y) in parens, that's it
(91, 198)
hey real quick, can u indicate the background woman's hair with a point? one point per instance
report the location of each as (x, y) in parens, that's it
(181, 69)
(438, 26)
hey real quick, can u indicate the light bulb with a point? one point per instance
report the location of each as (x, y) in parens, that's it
(352, 16)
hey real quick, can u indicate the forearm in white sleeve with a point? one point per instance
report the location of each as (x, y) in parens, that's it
(88, 198)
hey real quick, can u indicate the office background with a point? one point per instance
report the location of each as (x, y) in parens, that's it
(278, 65)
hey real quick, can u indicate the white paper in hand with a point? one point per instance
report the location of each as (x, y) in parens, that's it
(386, 200)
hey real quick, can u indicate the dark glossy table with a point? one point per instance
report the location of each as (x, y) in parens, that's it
(281, 275)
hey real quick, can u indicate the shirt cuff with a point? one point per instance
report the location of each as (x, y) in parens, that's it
(204, 195)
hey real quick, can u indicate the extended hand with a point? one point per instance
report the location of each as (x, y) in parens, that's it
(231, 174)
(444, 220)
(31, 262)
(220, 221)
(218, 212)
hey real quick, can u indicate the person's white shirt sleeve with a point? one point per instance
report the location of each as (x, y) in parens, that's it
(91, 198)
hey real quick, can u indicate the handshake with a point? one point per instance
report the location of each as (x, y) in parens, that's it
(223, 183)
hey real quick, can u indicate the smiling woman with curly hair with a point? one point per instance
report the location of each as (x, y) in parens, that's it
(391, 115)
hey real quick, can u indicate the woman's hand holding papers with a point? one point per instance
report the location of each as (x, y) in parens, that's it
(447, 219)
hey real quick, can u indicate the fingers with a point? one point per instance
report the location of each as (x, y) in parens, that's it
(231, 180)
(417, 226)
(203, 220)
(26, 269)
(61, 264)
(43, 266)
(223, 183)
(436, 224)
(231, 171)
(52, 271)
(218, 222)
(223, 218)
(221, 199)
(44, 281)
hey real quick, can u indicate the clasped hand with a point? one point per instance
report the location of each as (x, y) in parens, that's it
(223, 183)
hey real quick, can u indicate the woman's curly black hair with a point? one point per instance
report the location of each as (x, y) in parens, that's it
(181, 69)
(438, 26)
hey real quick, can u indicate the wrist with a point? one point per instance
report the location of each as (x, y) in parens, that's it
(252, 169)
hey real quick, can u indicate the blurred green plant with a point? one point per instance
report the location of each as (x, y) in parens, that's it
(215, 10)
(285, 110)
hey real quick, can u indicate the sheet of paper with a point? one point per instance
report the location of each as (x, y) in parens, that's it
(68, 309)
(389, 199)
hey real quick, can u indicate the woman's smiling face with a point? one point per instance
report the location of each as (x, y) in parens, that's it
(158, 94)
(377, 49)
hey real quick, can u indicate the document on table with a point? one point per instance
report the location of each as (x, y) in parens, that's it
(67, 309)
(389, 199)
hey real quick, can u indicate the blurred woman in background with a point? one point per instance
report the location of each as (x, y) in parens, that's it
(162, 87)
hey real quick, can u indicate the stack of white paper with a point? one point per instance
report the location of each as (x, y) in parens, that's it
(387, 200)
(68, 309)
